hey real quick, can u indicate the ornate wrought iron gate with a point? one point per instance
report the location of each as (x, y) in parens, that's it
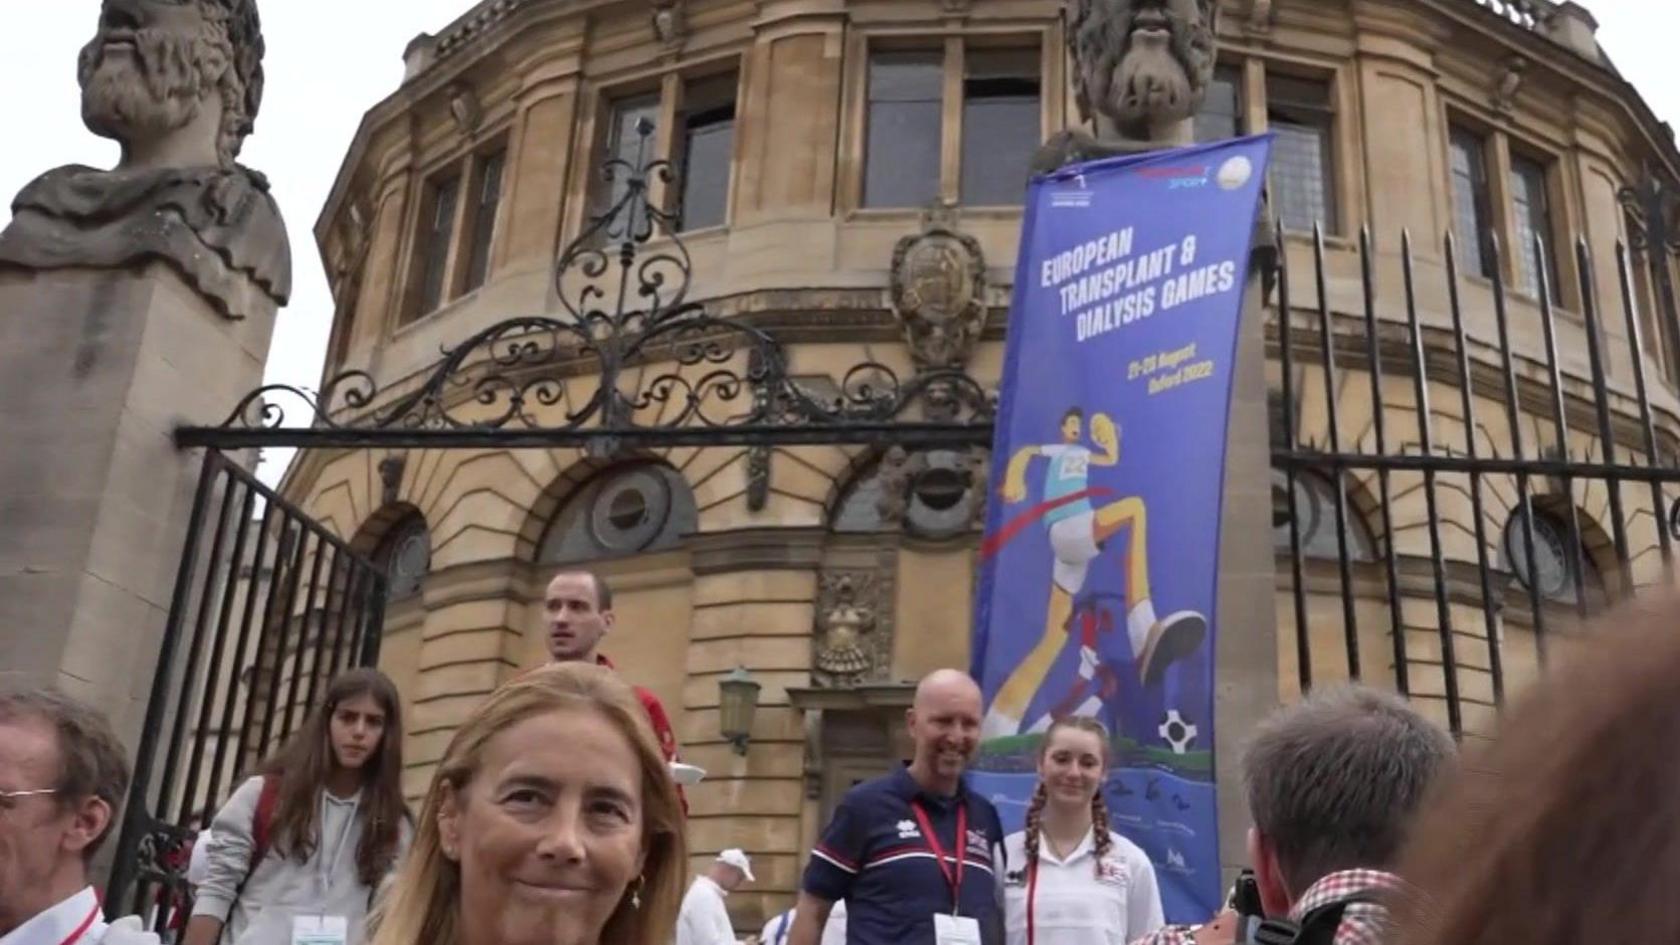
(268, 606)
(1407, 420)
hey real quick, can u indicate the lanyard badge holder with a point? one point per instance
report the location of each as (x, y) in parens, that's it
(953, 929)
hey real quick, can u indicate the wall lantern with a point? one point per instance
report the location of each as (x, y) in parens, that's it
(738, 700)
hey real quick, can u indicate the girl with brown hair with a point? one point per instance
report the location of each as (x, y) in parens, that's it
(1074, 880)
(1564, 829)
(551, 820)
(301, 848)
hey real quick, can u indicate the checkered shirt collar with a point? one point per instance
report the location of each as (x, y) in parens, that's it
(1344, 885)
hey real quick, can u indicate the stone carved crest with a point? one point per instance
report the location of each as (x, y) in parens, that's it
(919, 491)
(178, 86)
(938, 292)
(854, 626)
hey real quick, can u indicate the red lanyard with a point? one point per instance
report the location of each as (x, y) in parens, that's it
(87, 923)
(954, 881)
(1032, 894)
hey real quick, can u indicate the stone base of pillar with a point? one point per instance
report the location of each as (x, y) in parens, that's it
(96, 369)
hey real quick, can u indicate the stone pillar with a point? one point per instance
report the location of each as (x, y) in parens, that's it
(97, 366)
(1246, 674)
(754, 595)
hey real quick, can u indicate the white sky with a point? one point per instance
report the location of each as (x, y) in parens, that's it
(331, 60)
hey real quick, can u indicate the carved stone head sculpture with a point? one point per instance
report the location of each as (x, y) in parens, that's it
(173, 78)
(177, 83)
(1141, 69)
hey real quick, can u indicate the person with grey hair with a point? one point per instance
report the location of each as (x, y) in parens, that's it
(63, 775)
(1333, 783)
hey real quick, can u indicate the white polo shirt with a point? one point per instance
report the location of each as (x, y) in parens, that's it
(72, 921)
(1078, 902)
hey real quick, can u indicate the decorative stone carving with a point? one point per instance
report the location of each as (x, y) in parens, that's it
(390, 478)
(670, 22)
(845, 624)
(178, 85)
(1260, 17)
(464, 107)
(977, 462)
(895, 475)
(1141, 69)
(1509, 84)
(854, 627)
(938, 292)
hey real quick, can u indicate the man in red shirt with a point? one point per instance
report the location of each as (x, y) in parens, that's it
(579, 612)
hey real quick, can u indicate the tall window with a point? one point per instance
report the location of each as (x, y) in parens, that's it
(1221, 115)
(1472, 224)
(906, 102)
(488, 196)
(1301, 114)
(705, 149)
(626, 120)
(435, 241)
(1531, 216)
(1000, 124)
(700, 148)
(452, 249)
(995, 127)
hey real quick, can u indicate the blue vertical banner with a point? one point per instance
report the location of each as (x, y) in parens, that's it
(1100, 559)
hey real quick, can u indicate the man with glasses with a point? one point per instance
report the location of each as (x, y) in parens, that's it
(63, 774)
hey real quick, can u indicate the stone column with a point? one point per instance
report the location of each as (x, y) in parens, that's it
(1245, 647)
(754, 594)
(96, 369)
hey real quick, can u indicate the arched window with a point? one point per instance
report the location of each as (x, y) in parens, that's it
(1315, 510)
(1556, 554)
(623, 511)
(932, 494)
(405, 555)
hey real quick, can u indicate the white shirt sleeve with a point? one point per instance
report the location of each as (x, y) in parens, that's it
(704, 919)
(834, 931)
(1143, 906)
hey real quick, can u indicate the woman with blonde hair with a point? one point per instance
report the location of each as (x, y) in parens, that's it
(1565, 828)
(552, 820)
(1075, 881)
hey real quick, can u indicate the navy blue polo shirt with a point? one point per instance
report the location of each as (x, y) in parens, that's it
(874, 856)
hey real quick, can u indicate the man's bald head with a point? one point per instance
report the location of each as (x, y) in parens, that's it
(944, 683)
(945, 724)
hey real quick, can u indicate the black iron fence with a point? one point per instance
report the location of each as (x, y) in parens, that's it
(1463, 473)
(268, 606)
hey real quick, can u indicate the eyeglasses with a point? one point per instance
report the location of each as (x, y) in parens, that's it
(9, 796)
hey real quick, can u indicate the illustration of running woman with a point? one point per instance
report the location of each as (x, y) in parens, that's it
(1079, 529)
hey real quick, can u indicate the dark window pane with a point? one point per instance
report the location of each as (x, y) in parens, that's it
(436, 253)
(901, 151)
(1300, 175)
(1532, 214)
(1298, 111)
(707, 146)
(484, 218)
(1002, 125)
(1470, 202)
(1221, 114)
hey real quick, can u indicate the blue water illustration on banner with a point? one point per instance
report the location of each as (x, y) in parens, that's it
(1101, 554)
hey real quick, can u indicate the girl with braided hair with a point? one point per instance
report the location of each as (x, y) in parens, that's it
(1074, 880)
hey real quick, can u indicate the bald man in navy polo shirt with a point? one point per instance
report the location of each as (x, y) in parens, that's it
(912, 853)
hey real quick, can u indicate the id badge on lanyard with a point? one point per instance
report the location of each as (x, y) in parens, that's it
(953, 929)
(320, 930)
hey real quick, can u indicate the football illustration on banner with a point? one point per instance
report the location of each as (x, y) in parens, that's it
(1099, 567)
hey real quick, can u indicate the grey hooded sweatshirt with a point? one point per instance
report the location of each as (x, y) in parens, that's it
(281, 888)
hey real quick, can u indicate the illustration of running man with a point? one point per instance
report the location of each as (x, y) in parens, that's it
(1078, 530)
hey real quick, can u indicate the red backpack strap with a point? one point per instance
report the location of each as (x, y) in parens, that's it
(262, 822)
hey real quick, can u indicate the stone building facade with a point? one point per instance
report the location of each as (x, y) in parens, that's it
(813, 136)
